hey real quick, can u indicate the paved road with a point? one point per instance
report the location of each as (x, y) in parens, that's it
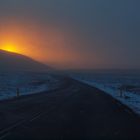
(77, 111)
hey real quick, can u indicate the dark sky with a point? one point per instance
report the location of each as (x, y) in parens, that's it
(106, 33)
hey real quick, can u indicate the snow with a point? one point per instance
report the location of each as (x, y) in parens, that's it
(26, 82)
(110, 86)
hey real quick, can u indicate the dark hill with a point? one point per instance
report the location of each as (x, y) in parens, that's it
(17, 62)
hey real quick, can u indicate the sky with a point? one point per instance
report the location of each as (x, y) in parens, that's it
(74, 33)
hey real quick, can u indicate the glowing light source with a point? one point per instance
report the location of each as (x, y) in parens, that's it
(9, 47)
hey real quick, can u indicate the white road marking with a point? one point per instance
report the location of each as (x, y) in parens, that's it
(4, 136)
(6, 132)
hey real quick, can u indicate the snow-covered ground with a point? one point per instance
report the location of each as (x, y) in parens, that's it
(26, 83)
(110, 82)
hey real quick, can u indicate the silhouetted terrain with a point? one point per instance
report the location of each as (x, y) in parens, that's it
(13, 61)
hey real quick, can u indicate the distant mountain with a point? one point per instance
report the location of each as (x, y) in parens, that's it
(17, 62)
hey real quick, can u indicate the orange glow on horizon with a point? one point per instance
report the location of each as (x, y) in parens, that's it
(46, 44)
(10, 47)
(42, 44)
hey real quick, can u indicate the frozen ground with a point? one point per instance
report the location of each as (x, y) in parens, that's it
(111, 81)
(26, 82)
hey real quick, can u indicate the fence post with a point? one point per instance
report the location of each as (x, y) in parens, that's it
(17, 92)
(121, 92)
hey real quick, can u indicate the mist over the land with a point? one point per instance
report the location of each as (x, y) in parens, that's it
(76, 33)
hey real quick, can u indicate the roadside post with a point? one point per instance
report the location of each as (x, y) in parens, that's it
(121, 90)
(17, 92)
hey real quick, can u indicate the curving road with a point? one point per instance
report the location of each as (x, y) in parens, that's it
(74, 111)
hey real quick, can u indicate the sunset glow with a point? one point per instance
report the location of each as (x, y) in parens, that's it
(47, 44)
(10, 47)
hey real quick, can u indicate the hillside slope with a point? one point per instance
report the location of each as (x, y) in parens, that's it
(13, 61)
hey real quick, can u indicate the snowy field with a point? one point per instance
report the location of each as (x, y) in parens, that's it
(110, 82)
(26, 83)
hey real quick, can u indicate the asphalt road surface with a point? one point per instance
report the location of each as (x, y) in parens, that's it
(75, 111)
